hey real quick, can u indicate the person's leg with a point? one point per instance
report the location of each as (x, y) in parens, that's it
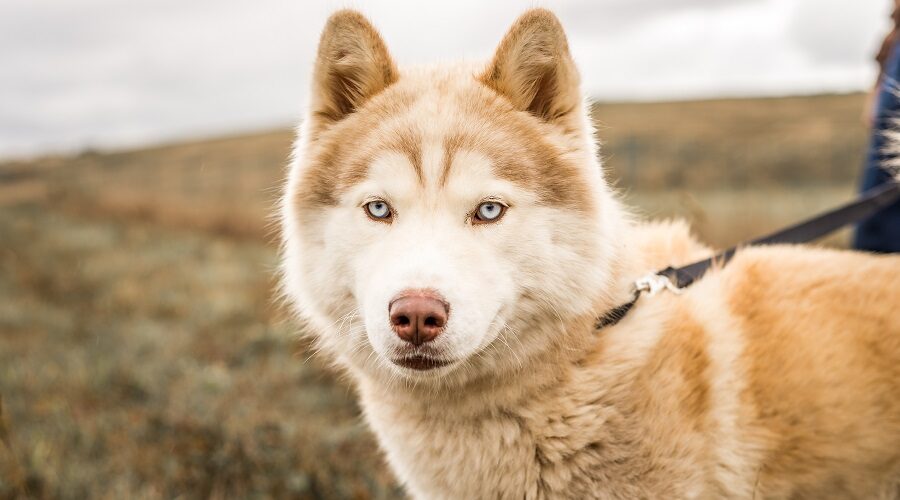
(881, 232)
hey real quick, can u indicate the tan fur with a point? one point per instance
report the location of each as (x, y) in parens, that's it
(835, 349)
(352, 66)
(533, 68)
(776, 376)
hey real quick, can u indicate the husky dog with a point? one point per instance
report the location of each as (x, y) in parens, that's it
(450, 240)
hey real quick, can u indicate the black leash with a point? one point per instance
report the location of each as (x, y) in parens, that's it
(676, 279)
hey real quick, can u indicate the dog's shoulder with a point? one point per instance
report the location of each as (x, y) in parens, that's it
(820, 331)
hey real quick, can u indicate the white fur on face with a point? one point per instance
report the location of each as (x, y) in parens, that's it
(432, 245)
(344, 268)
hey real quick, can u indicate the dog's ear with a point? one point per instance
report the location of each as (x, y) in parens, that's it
(533, 68)
(352, 66)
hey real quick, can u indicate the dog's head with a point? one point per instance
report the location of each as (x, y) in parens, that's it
(434, 218)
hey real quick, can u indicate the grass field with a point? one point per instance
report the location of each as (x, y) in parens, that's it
(142, 353)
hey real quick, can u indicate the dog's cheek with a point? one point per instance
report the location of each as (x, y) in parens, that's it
(302, 276)
(556, 266)
(321, 253)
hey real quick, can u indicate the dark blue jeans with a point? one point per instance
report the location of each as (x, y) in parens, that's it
(881, 232)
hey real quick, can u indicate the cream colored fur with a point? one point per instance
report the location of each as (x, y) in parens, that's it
(777, 376)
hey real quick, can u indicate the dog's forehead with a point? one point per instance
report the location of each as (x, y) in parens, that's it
(435, 139)
(451, 134)
(431, 131)
(443, 131)
(433, 165)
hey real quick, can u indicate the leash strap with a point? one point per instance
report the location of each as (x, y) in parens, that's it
(613, 316)
(867, 204)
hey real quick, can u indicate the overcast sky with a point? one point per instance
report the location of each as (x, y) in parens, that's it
(121, 73)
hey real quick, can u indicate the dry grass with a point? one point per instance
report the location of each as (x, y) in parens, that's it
(222, 186)
(760, 143)
(141, 354)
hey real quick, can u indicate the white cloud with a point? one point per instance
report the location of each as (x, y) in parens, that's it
(110, 73)
(837, 31)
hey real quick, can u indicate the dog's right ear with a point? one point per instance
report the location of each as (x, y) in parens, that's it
(352, 65)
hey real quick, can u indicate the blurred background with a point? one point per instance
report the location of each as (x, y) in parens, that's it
(142, 146)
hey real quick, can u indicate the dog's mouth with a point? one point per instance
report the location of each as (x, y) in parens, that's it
(420, 358)
(421, 362)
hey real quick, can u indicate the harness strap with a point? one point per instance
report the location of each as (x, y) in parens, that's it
(867, 204)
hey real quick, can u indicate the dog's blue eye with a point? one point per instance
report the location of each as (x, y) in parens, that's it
(489, 211)
(379, 210)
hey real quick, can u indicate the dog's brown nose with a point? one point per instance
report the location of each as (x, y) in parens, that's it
(418, 316)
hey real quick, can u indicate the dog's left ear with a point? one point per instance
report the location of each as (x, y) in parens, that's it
(533, 68)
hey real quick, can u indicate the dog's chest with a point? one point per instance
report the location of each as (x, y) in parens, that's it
(534, 452)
